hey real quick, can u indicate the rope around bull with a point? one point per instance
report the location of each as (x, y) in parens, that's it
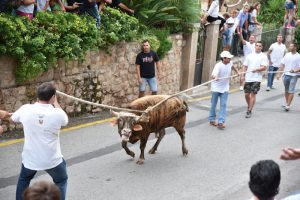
(159, 103)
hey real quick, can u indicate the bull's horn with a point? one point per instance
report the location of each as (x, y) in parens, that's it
(143, 118)
(116, 114)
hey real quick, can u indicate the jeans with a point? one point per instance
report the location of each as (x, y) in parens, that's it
(93, 11)
(289, 83)
(58, 174)
(223, 103)
(151, 82)
(271, 75)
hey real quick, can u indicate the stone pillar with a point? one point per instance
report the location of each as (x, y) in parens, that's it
(210, 53)
(189, 59)
(288, 35)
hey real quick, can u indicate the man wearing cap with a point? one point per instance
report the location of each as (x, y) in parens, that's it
(253, 66)
(220, 88)
(228, 34)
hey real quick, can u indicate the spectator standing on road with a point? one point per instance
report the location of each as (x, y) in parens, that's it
(3, 115)
(275, 55)
(25, 8)
(41, 123)
(146, 61)
(291, 61)
(264, 180)
(254, 64)
(42, 190)
(248, 48)
(220, 88)
(228, 34)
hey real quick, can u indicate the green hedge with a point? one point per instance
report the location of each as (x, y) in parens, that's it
(36, 45)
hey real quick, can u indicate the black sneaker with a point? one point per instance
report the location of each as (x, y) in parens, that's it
(248, 114)
(299, 94)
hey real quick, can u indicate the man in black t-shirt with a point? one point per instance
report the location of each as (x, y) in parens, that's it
(145, 68)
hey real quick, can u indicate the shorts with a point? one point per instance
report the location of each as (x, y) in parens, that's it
(151, 82)
(289, 5)
(289, 83)
(252, 87)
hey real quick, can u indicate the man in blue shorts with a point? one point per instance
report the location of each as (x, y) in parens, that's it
(290, 64)
(146, 61)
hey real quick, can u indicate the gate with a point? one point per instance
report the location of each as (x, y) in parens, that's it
(199, 56)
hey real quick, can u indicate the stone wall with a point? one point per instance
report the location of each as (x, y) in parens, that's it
(102, 78)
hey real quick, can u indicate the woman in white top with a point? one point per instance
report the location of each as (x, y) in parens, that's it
(213, 13)
(254, 26)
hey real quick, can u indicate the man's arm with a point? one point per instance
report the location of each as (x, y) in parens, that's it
(28, 2)
(157, 65)
(123, 6)
(241, 36)
(138, 73)
(290, 154)
(269, 56)
(280, 69)
(46, 6)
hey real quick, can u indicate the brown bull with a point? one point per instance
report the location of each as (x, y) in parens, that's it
(132, 127)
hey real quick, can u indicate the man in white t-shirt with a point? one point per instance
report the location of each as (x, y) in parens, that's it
(275, 55)
(220, 88)
(254, 64)
(41, 123)
(290, 63)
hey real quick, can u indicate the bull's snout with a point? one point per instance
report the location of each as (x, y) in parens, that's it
(125, 134)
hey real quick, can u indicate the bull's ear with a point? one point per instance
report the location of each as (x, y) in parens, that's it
(116, 114)
(114, 122)
(137, 127)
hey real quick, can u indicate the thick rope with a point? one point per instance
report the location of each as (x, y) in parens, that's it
(184, 91)
(159, 103)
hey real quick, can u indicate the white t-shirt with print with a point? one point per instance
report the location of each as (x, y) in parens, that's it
(254, 61)
(248, 48)
(221, 70)
(278, 51)
(291, 61)
(41, 124)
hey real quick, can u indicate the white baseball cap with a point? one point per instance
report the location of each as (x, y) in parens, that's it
(230, 21)
(226, 54)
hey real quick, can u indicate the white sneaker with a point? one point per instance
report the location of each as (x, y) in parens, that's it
(287, 108)
(268, 89)
(241, 88)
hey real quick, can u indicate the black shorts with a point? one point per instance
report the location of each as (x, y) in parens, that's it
(253, 87)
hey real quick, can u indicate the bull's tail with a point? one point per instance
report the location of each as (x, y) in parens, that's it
(186, 106)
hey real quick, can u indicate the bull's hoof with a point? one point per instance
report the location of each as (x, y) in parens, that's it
(151, 151)
(140, 162)
(131, 154)
(185, 152)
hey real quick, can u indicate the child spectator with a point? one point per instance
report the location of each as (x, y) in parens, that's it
(25, 8)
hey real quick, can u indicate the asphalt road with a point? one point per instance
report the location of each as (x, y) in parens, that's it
(217, 167)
